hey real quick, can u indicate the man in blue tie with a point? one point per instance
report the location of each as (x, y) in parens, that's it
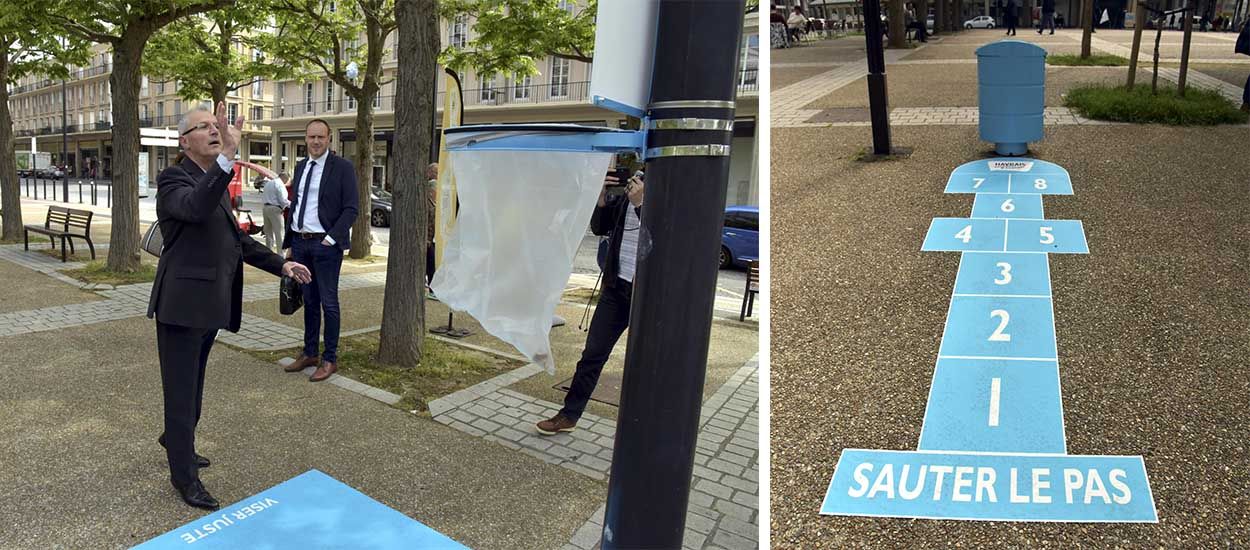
(318, 232)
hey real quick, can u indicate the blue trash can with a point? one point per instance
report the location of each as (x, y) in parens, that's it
(1011, 88)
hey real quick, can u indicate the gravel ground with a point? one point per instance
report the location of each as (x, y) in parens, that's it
(840, 50)
(1151, 325)
(41, 291)
(946, 50)
(955, 86)
(82, 469)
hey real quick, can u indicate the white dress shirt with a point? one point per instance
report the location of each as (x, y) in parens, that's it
(275, 193)
(628, 258)
(311, 181)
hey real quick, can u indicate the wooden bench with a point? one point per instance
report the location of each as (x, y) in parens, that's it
(753, 288)
(65, 224)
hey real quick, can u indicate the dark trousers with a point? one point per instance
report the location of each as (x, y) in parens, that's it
(183, 353)
(429, 263)
(1048, 21)
(321, 296)
(610, 320)
(1245, 94)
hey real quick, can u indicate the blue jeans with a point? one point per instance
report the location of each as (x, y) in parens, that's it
(610, 320)
(321, 295)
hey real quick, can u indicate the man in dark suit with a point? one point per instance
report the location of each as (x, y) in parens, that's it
(317, 233)
(199, 282)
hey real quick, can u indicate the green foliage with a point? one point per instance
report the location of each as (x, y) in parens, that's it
(313, 40)
(510, 35)
(33, 44)
(1119, 104)
(113, 22)
(202, 52)
(1099, 60)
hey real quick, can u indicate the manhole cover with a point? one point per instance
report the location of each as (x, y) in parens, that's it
(607, 392)
(842, 114)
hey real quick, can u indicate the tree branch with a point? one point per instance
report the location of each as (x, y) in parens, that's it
(82, 30)
(169, 17)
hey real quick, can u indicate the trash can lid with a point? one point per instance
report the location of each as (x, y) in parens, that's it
(552, 137)
(1011, 48)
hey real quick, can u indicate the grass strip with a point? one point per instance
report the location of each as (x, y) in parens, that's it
(1119, 104)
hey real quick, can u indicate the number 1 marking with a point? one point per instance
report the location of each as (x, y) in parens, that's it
(995, 390)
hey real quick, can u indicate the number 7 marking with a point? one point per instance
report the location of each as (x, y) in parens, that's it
(978, 183)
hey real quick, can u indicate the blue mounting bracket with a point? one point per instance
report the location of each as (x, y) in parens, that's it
(546, 137)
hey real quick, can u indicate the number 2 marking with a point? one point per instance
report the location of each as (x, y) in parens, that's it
(1006, 273)
(999, 335)
(965, 234)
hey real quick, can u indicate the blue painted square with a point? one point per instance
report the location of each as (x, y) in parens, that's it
(1003, 274)
(999, 327)
(1007, 206)
(1040, 184)
(949, 234)
(311, 510)
(977, 183)
(1051, 236)
(964, 414)
(990, 487)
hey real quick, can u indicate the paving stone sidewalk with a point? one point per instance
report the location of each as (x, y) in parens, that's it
(724, 499)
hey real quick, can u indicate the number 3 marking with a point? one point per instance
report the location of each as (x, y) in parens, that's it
(998, 335)
(1006, 273)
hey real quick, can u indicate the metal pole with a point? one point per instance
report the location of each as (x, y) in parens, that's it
(694, 76)
(878, 98)
(64, 146)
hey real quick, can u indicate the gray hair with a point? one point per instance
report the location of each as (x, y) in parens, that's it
(185, 123)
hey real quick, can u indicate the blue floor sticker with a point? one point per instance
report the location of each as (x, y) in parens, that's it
(992, 444)
(994, 405)
(990, 487)
(311, 510)
(983, 273)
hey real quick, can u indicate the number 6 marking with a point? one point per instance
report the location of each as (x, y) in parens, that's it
(1007, 206)
(1006, 273)
(1047, 237)
(999, 335)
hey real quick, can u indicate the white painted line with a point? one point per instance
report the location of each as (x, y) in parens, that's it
(1005, 295)
(1005, 226)
(987, 358)
(1008, 184)
(995, 392)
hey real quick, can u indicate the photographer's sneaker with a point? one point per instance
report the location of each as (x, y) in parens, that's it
(558, 423)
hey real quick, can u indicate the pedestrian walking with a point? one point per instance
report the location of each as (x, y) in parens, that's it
(1243, 47)
(274, 194)
(1048, 16)
(620, 218)
(199, 282)
(1010, 14)
(322, 213)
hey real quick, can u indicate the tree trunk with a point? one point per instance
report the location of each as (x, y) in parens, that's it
(1139, 22)
(403, 309)
(898, 32)
(1189, 33)
(939, 16)
(124, 238)
(362, 236)
(10, 186)
(1087, 25)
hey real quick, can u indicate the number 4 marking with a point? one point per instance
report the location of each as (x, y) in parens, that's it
(965, 234)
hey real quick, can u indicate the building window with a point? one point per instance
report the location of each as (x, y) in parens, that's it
(351, 102)
(521, 86)
(460, 32)
(566, 5)
(308, 98)
(559, 77)
(177, 107)
(143, 87)
(258, 113)
(258, 89)
(377, 99)
(487, 92)
(233, 110)
(143, 112)
(160, 112)
(160, 88)
(329, 96)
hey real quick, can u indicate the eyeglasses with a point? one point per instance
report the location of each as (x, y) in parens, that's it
(201, 126)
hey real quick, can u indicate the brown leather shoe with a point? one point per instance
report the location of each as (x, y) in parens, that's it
(302, 362)
(324, 371)
(558, 423)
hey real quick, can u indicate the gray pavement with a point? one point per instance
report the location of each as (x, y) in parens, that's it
(1151, 324)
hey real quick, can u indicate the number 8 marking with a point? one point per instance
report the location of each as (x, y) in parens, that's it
(1039, 184)
(998, 335)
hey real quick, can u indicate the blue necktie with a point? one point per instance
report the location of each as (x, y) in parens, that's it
(303, 200)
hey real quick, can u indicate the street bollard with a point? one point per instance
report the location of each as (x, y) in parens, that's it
(1011, 86)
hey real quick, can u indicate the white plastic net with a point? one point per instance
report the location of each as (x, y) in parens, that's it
(522, 217)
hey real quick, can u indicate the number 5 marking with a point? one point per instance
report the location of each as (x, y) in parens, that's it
(965, 234)
(1047, 237)
(999, 335)
(1006, 273)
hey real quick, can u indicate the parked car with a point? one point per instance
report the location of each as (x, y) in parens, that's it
(740, 238)
(979, 22)
(380, 206)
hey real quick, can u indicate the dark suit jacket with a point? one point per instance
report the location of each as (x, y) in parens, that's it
(199, 280)
(1243, 40)
(337, 200)
(609, 220)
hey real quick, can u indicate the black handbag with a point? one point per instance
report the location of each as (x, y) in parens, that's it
(290, 296)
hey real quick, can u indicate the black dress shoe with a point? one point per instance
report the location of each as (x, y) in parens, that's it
(200, 461)
(196, 495)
